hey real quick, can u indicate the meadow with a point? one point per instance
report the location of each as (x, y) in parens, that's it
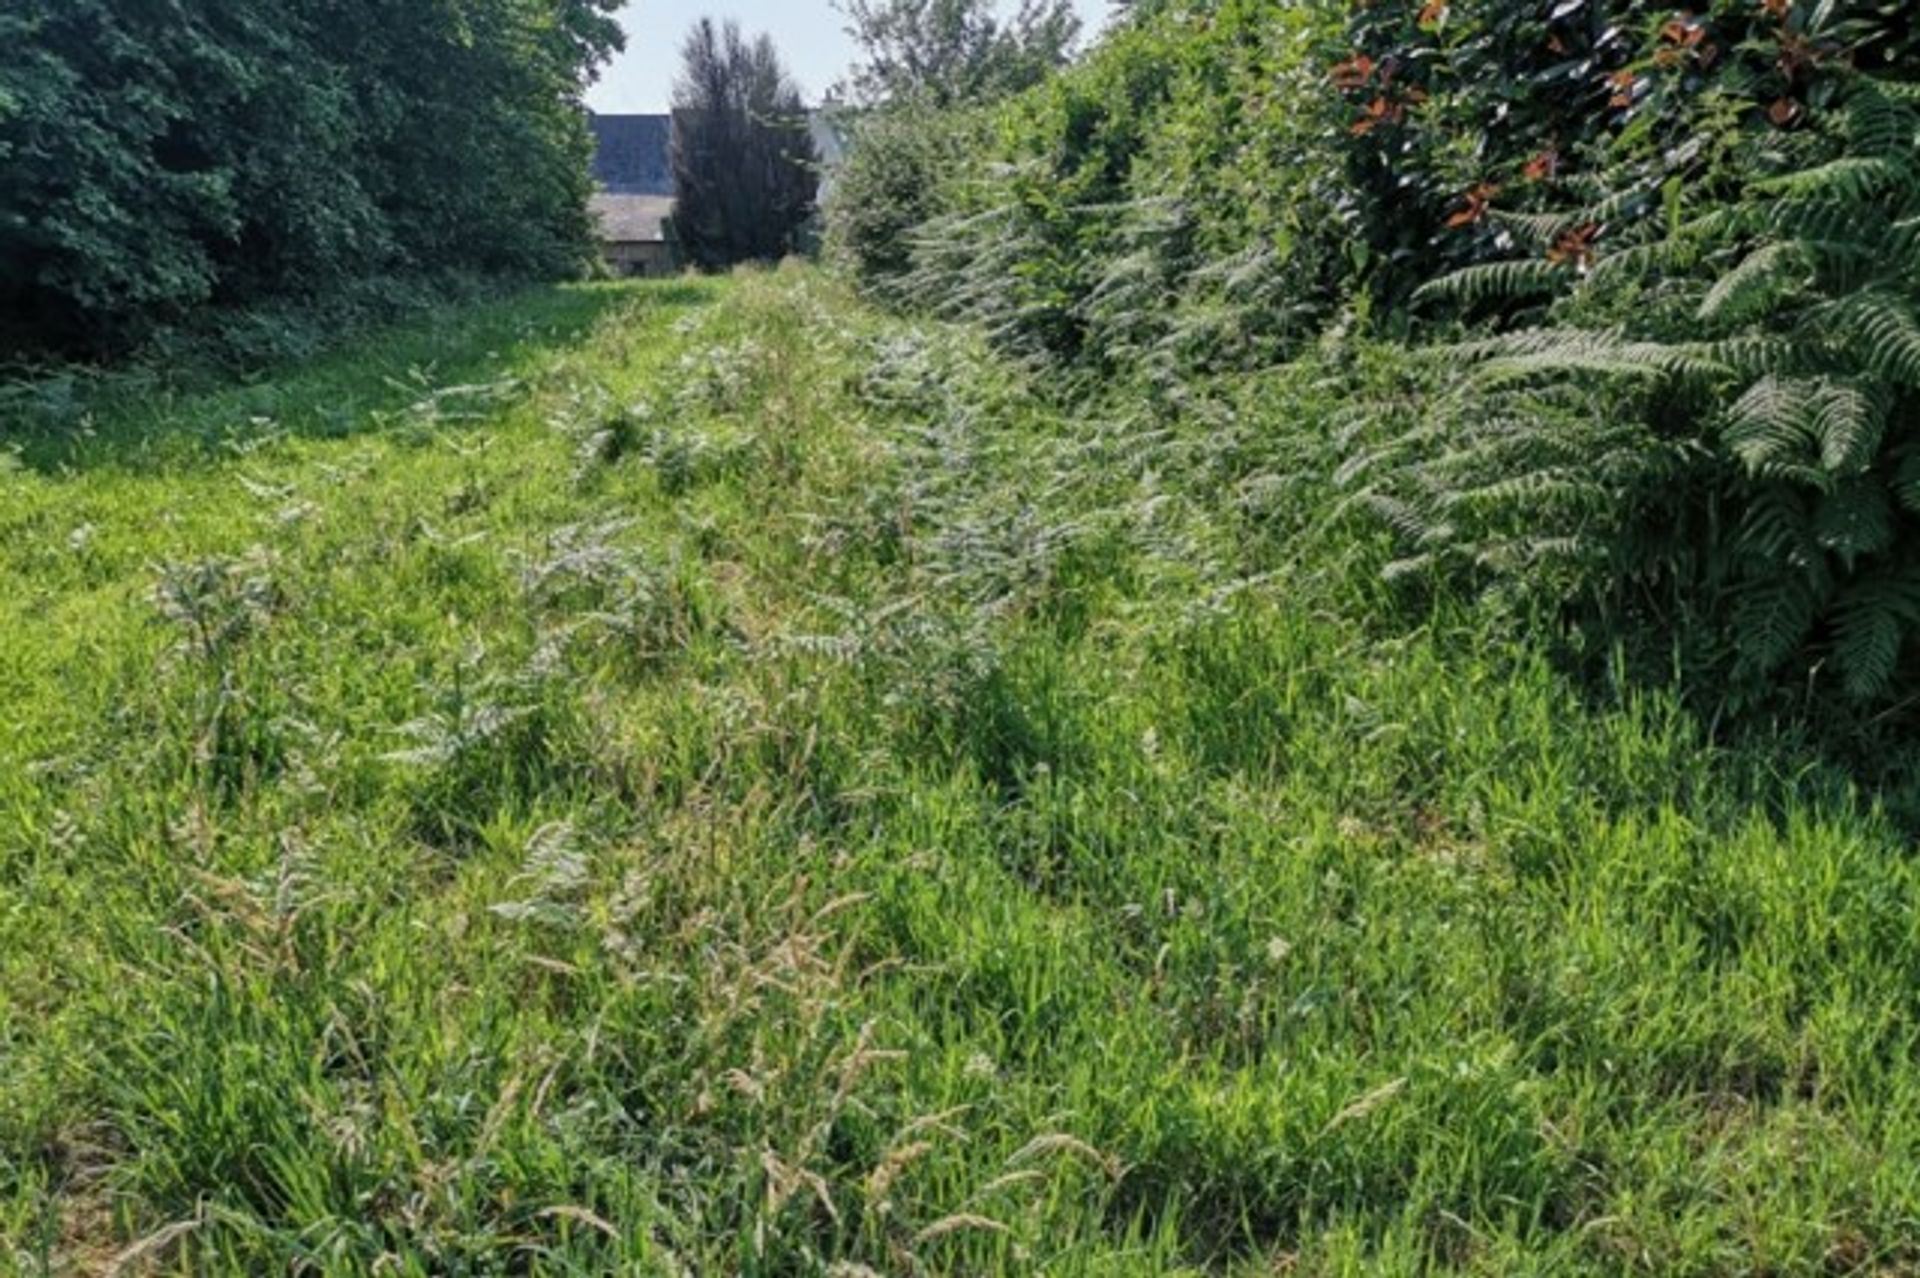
(703, 777)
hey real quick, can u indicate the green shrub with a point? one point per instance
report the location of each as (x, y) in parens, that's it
(1459, 110)
(1220, 179)
(160, 159)
(1153, 200)
(893, 182)
(1755, 366)
(1693, 232)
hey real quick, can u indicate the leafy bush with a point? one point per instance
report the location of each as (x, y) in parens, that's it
(1220, 179)
(159, 159)
(891, 184)
(1706, 217)
(1458, 110)
(1176, 178)
(1764, 477)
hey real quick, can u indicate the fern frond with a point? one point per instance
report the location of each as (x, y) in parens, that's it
(1906, 482)
(1903, 243)
(1777, 530)
(1774, 615)
(1506, 444)
(1515, 556)
(1867, 642)
(1854, 179)
(1756, 356)
(1872, 619)
(1405, 520)
(1410, 566)
(1855, 520)
(1542, 230)
(1767, 427)
(1878, 125)
(1539, 490)
(1759, 282)
(1575, 351)
(1888, 336)
(1849, 423)
(1525, 341)
(1638, 261)
(1512, 279)
(1840, 222)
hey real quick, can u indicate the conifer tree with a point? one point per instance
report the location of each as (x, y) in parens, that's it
(744, 163)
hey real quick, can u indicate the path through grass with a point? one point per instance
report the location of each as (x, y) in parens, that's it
(701, 779)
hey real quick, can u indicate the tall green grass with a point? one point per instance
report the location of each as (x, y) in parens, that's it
(704, 779)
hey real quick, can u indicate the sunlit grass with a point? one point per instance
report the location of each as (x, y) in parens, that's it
(740, 785)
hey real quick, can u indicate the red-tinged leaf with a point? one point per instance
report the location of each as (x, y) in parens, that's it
(1575, 246)
(1474, 205)
(1353, 73)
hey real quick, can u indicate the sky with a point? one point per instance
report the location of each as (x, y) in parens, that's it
(809, 33)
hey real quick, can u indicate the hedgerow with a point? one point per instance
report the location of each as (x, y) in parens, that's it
(1677, 243)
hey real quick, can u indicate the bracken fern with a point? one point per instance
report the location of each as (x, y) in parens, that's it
(1771, 348)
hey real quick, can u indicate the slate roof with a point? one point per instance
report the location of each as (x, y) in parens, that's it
(633, 154)
(632, 219)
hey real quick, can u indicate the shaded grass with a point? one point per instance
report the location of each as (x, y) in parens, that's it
(770, 793)
(147, 417)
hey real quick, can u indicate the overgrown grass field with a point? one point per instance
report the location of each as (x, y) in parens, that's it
(700, 778)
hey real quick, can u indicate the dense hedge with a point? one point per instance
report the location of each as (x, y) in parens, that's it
(1680, 246)
(1293, 159)
(1191, 156)
(160, 156)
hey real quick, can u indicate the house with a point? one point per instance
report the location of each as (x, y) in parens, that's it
(633, 167)
(635, 233)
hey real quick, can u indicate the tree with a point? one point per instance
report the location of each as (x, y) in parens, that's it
(945, 52)
(745, 170)
(161, 157)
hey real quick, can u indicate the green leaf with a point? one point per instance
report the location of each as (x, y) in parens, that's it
(1855, 520)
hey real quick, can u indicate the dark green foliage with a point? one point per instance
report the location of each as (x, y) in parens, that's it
(891, 185)
(1461, 111)
(744, 165)
(160, 158)
(1778, 508)
(928, 69)
(1715, 207)
(1184, 163)
(1258, 168)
